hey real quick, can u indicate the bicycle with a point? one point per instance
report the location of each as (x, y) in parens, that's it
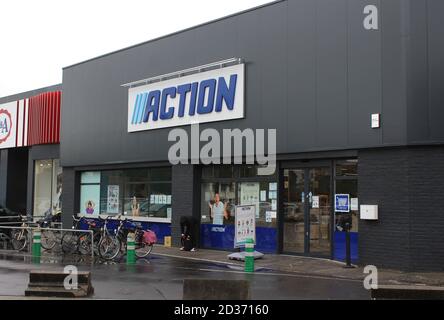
(49, 238)
(85, 239)
(19, 238)
(73, 242)
(109, 244)
(119, 241)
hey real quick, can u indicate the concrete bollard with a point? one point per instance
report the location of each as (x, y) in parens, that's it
(249, 255)
(36, 245)
(130, 249)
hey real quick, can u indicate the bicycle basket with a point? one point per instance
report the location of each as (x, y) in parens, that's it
(149, 237)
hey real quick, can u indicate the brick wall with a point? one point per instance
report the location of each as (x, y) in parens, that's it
(185, 192)
(407, 184)
(426, 191)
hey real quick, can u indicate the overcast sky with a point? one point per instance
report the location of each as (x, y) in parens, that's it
(40, 37)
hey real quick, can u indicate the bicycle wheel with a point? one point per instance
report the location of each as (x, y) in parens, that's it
(109, 247)
(70, 242)
(48, 239)
(85, 243)
(143, 249)
(19, 239)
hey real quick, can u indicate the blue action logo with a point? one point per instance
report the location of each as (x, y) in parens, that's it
(205, 97)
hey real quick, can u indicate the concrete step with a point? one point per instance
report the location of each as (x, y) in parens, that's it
(57, 292)
(57, 276)
(44, 283)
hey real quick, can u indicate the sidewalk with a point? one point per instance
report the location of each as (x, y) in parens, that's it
(307, 266)
(270, 263)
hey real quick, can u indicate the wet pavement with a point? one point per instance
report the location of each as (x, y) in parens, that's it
(161, 277)
(309, 266)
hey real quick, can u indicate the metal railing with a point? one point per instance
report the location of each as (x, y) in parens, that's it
(4, 238)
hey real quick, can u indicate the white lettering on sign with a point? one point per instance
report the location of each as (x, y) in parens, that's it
(371, 18)
(208, 96)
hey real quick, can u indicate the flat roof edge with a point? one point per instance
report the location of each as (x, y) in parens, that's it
(178, 32)
(20, 95)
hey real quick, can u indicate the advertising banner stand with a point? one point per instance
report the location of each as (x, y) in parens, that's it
(245, 230)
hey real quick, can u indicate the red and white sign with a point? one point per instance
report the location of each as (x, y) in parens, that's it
(31, 121)
(8, 125)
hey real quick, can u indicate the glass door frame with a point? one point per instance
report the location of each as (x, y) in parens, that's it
(305, 166)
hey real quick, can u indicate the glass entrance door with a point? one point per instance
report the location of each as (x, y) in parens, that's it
(307, 211)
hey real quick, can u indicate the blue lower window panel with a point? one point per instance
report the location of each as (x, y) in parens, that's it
(222, 237)
(161, 229)
(339, 246)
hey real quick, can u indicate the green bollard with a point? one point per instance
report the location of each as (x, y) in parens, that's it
(249, 257)
(36, 246)
(130, 249)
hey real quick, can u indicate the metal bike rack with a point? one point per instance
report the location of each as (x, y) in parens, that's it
(32, 229)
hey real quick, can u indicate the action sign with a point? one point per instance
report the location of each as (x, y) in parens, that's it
(207, 96)
(342, 203)
(245, 225)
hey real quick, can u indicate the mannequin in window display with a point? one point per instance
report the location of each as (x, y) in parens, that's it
(217, 210)
(135, 207)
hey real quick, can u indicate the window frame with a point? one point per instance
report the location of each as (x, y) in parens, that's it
(237, 180)
(124, 184)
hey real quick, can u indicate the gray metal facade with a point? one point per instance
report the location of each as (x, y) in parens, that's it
(312, 72)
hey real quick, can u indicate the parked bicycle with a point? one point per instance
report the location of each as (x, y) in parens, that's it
(49, 238)
(78, 241)
(17, 238)
(111, 244)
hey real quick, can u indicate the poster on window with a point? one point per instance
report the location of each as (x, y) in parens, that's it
(90, 200)
(249, 195)
(245, 225)
(113, 199)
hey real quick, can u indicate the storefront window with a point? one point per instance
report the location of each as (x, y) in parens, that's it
(90, 193)
(111, 188)
(132, 192)
(346, 182)
(264, 196)
(208, 190)
(227, 196)
(234, 192)
(159, 200)
(47, 187)
(160, 174)
(347, 168)
(57, 186)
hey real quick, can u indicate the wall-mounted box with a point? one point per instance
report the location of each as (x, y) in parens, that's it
(375, 122)
(369, 212)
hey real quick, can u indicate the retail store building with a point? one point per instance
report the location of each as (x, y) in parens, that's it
(353, 89)
(30, 171)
